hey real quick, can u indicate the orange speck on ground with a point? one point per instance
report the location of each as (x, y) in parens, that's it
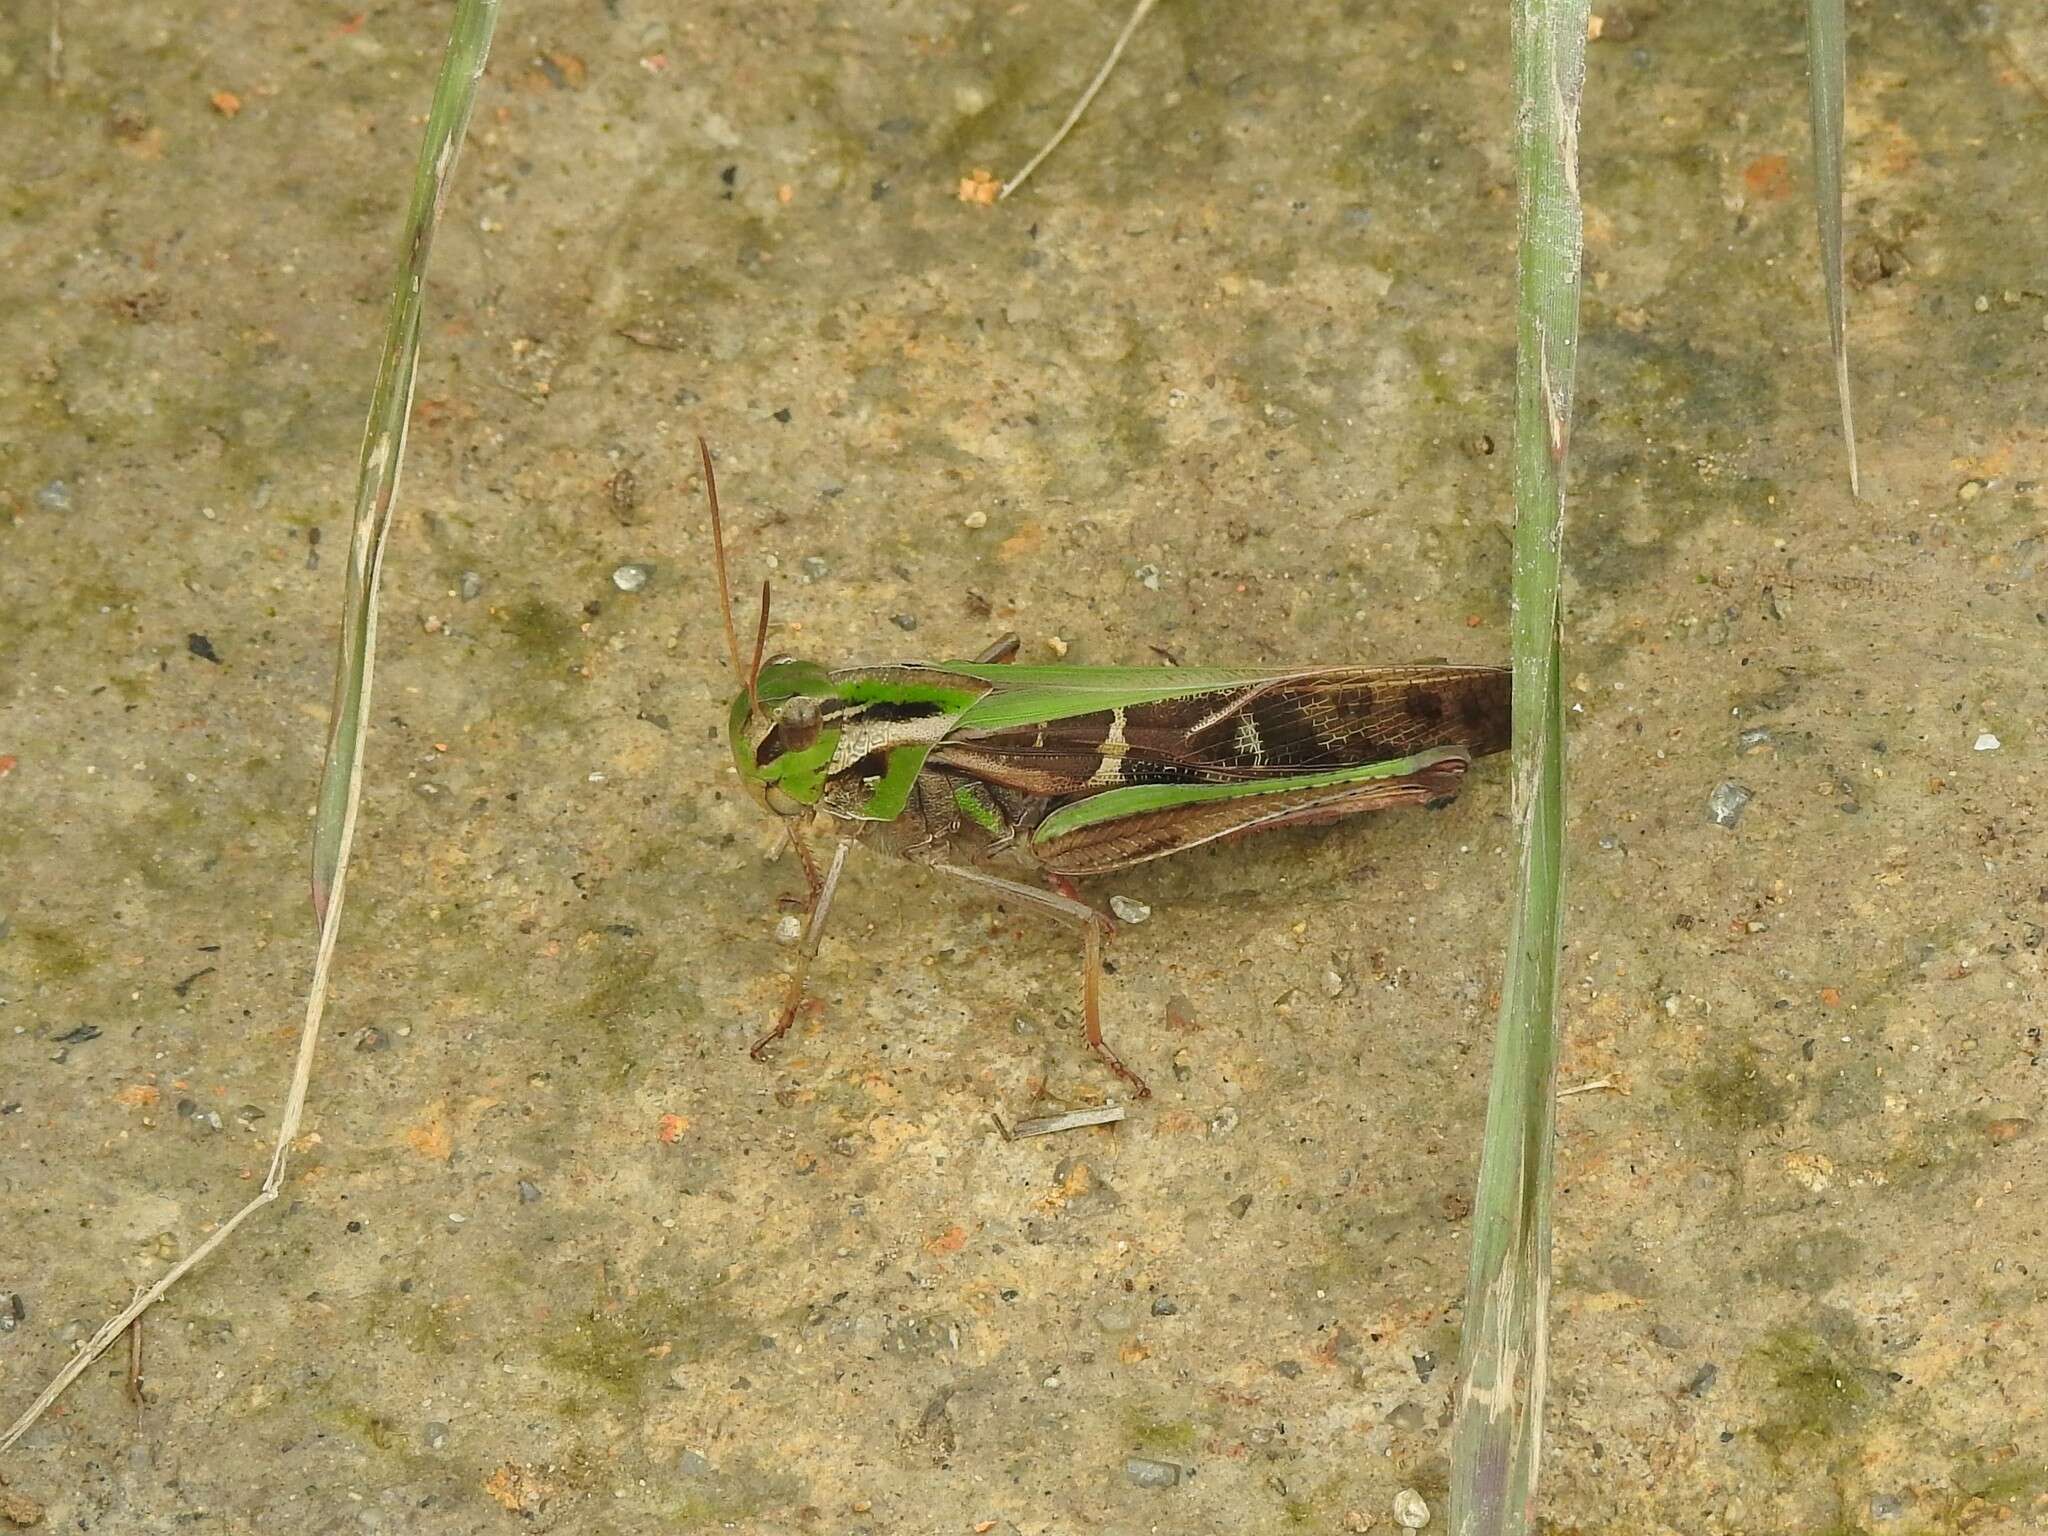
(672, 1128)
(138, 1095)
(226, 103)
(952, 1240)
(1900, 153)
(431, 1136)
(1079, 1181)
(1027, 540)
(1831, 997)
(979, 187)
(1768, 178)
(518, 1490)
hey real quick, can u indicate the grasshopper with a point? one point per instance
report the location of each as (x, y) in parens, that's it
(1077, 771)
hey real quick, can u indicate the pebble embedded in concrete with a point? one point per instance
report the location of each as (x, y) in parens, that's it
(1143, 1472)
(1726, 804)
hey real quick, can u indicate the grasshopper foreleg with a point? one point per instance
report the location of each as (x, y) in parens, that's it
(1093, 926)
(820, 905)
(813, 881)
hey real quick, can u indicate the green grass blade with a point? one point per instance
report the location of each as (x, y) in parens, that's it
(377, 472)
(340, 783)
(1497, 1435)
(1826, 76)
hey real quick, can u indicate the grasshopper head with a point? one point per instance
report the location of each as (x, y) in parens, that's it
(780, 743)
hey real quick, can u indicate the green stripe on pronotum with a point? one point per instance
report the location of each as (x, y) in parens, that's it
(1066, 772)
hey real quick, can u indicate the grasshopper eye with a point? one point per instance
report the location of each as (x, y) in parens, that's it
(798, 727)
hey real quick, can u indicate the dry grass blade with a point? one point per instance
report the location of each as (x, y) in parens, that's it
(340, 781)
(1116, 52)
(1497, 1436)
(53, 60)
(1827, 75)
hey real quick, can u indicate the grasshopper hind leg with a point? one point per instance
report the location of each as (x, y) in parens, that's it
(1093, 926)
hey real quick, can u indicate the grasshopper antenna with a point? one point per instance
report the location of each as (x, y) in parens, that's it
(746, 675)
(760, 645)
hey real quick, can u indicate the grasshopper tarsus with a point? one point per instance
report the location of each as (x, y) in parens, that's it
(791, 1007)
(759, 1049)
(1092, 1032)
(1139, 1090)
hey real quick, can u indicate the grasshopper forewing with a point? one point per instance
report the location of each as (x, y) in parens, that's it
(1065, 772)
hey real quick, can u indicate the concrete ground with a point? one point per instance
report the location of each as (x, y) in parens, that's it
(1228, 380)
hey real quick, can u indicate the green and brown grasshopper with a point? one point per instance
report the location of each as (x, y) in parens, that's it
(1076, 771)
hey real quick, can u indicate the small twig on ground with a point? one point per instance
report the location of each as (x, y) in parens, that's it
(1073, 117)
(1072, 1120)
(1597, 1085)
(134, 1382)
